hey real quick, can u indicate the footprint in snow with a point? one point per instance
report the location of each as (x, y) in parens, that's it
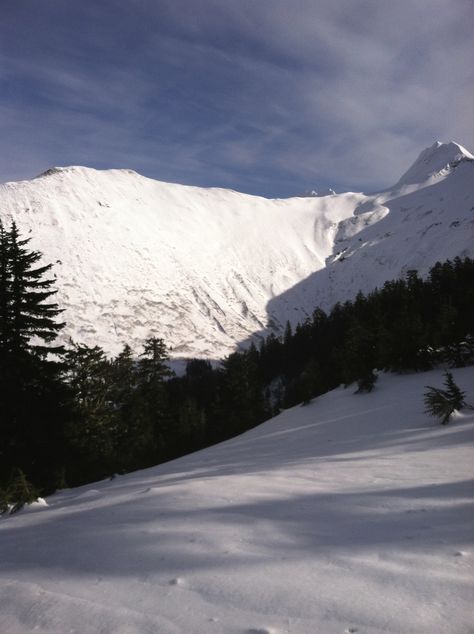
(461, 553)
(177, 582)
(261, 630)
(351, 630)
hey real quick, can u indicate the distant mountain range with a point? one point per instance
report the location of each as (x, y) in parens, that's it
(209, 269)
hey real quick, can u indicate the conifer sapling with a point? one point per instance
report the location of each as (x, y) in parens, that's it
(442, 403)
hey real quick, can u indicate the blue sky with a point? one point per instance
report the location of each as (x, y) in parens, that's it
(269, 97)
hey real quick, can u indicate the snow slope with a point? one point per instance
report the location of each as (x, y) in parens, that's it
(352, 514)
(208, 268)
(195, 266)
(410, 227)
(434, 162)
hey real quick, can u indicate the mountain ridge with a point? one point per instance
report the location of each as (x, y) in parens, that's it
(433, 160)
(207, 268)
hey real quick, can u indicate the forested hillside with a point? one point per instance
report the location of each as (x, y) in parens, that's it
(73, 415)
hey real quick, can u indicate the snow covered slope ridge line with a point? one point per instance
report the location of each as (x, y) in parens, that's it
(208, 269)
(351, 514)
(435, 160)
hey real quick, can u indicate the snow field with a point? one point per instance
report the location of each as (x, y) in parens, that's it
(137, 257)
(209, 269)
(351, 514)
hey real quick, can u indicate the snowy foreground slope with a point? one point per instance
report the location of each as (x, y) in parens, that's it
(208, 268)
(352, 514)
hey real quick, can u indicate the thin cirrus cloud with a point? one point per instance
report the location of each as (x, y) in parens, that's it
(270, 97)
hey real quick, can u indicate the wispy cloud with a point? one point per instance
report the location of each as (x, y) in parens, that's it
(269, 97)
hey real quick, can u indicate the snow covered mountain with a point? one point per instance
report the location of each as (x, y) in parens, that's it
(207, 269)
(352, 514)
(428, 216)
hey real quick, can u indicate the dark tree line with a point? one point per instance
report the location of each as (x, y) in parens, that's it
(70, 416)
(410, 324)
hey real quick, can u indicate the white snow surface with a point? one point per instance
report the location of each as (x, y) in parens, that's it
(351, 514)
(434, 162)
(209, 269)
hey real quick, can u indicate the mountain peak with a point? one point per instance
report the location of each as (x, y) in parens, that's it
(79, 169)
(434, 160)
(50, 171)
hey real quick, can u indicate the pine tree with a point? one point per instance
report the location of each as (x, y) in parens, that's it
(455, 394)
(152, 408)
(134, 431)
(288, 334)
(93, 432)
(123, 371)
(242, 398)
(152, 365)
(33, 397)
(443, 403)
(25, 309)
(88, 376)
(20, 492)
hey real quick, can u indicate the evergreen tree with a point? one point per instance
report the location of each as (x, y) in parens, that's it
(35, 402)
(455, 394)
(123, 373)
(153, 409)
(309, 383)
(135, 385)
(288, 334)
(153, 368)
(25, 309)
(243, 405)
(20, 492)
(93, 432)
(122, 379)
(358, 354)
(443, 403)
